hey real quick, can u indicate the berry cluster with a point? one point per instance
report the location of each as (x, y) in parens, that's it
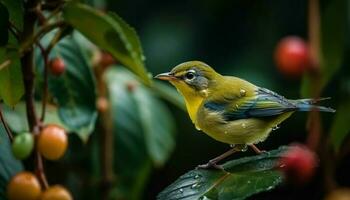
(52, 144)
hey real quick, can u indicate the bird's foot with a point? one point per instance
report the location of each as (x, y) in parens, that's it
(210, 165)
(256, 149)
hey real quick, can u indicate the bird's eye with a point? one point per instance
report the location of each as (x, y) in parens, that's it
(189, 75)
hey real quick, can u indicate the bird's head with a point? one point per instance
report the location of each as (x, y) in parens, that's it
(192, 79)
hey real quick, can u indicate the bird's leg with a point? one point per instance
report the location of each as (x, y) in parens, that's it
(212, 162)
(256, 149)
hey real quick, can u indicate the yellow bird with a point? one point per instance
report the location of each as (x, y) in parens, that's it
(232, 110)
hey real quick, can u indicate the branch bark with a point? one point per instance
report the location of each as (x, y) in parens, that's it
(28, 78)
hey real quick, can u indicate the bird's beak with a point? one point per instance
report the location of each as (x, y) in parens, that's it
(165, 76)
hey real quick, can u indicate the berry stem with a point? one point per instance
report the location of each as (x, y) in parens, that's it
(45, 54)
(8, 131)
(106, 138)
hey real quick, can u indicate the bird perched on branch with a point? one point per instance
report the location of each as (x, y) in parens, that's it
(232, 110)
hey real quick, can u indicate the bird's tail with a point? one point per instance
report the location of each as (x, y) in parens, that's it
(308, 105)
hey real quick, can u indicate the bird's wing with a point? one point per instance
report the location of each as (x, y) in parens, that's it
(263, 103)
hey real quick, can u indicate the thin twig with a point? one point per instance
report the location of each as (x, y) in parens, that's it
(13, 29)
(40, 170)
(45, 54)
(7, 129)
(36, 37)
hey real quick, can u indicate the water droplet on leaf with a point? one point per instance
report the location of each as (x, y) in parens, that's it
(242, 92)
(181, 190)
(244, 149)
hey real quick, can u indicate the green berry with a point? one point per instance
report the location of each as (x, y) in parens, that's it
(22, 145)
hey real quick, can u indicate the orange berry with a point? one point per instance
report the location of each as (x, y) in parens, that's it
(56, 192)
(23, 186)
(52, 142)
(102, 104)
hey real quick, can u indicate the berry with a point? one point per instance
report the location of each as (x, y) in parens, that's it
(106, 60)
(23, 186)
(292, 56)
(131, 86)
(57, 66)
(298, 164)
(56, 192)
(52, 142)
(102, 104)
(22, 145)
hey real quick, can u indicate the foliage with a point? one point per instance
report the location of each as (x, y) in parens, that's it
(240, 179)
(9, 166)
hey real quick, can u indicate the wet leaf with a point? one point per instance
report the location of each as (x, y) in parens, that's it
(241, 179)
(112, 34)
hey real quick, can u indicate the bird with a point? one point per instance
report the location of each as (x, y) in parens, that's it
(230, 109)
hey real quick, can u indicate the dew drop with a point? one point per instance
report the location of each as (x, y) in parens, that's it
(181, 190)
(243, 125)
(245, 148)
(270, 188)
(275, 128)
(198, 129)
(242, 92)
(196, 185)
(232, 145)
(197, 176)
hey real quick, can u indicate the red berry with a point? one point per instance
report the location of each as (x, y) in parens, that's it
(298, 164)
(292, 56)
(106, 60)
(57, 66)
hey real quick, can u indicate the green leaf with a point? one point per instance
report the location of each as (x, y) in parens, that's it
(333, 35)
(4, 20)
(132, 156)
(74, 90)
(11, 82)
(112, 34)
(157, 124)
(15, 8)
(169, 93)
(241, 179)
(340, 126)
(9, 166)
